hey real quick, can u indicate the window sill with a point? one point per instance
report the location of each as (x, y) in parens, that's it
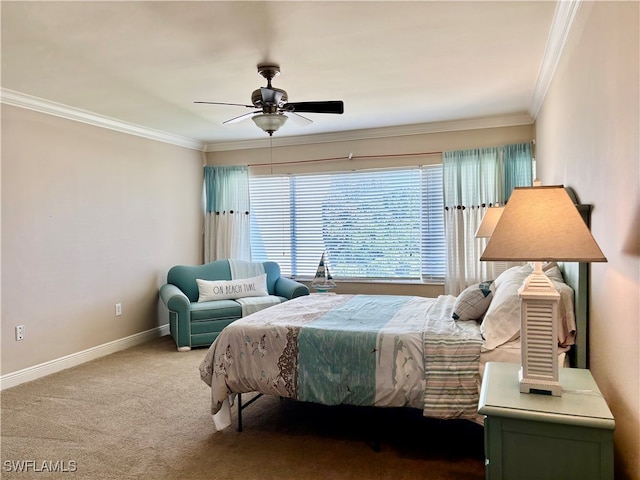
(377, 281)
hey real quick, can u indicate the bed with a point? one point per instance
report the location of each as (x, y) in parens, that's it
(386, 350)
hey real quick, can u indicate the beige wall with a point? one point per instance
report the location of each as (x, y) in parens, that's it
(275, 160)
(90, 218)
(391, 146)
(587, 138)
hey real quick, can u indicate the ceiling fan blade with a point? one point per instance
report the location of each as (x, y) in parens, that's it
(336, 106)
(239, 118)
(299, 119)
(232, 104)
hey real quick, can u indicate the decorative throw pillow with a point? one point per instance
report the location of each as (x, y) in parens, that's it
(232, 289)
(473, 301)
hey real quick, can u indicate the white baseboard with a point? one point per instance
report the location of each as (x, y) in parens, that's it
(37, 371)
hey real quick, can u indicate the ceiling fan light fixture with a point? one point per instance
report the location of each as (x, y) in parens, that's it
(269, 122)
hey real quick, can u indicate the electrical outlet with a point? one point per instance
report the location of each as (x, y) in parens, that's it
(19, 332)
(118, 309)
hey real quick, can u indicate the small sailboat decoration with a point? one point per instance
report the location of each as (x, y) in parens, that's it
(323, 281)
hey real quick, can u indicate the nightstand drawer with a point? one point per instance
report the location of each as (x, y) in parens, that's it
(525, 450)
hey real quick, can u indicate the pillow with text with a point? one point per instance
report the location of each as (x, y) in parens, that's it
(232, 289)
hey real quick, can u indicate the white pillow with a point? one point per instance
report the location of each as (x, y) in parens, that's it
(512, 274)
(231, 289)
(566, 316)
(501, 323)
(554, 273)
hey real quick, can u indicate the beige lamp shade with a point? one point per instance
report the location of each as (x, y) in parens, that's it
(541, 224)
(489, 222)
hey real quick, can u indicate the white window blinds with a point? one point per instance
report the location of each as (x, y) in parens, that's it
(384, 224)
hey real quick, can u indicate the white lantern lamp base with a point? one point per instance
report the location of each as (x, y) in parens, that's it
(538, 335)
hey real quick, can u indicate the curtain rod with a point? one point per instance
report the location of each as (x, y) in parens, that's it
(351, 156)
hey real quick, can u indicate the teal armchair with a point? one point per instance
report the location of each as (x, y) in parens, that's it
(197, 324)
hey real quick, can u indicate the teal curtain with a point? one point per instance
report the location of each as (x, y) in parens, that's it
(227, 233)
(474, 180)
(518, 167)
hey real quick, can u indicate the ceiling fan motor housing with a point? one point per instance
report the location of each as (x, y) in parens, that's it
(259, 102)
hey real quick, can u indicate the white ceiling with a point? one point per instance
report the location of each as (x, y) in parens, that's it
(392, 63)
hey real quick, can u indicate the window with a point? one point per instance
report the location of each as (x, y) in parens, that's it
(385, 224)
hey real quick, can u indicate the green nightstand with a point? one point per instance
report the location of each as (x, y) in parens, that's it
(540, 437)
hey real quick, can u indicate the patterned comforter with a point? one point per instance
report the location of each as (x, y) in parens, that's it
(370, 350)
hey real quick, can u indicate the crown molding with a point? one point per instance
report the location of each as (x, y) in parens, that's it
(562, 22)
(17, 99)
(22, 100)
(372, 133)
(561, 25)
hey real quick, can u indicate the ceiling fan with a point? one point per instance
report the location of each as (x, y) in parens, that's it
(272, 107)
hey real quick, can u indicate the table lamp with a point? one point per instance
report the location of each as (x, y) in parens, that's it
(489, 222)
(486, 228)
(540, 224)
